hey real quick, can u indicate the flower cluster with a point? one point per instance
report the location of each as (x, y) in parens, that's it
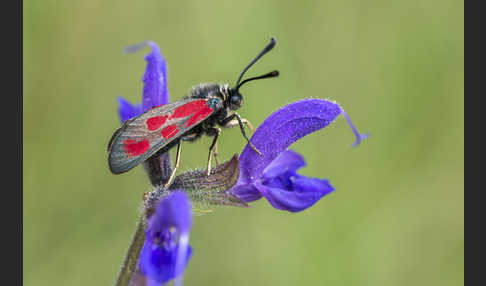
(275, 176)
(166, 250)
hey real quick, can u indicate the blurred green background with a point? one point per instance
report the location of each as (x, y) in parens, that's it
(396, 67)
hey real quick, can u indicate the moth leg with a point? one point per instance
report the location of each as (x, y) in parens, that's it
(178, 159)
(216, 131)
(215, 153)
(191, 137)
(235, 122)
(242, 128)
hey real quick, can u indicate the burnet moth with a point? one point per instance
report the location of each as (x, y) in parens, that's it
(163, 127)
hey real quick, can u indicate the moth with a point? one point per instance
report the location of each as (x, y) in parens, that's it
(163, 127)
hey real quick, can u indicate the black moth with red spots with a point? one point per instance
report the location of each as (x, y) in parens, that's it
(163, 127)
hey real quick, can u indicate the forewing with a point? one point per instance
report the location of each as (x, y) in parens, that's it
(142, 136)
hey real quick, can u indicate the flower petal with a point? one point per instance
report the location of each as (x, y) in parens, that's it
(287, 161)
(155, 79)
(159, 264)
(172, 211)
(307, 191)
(281, 129)
(305, 184)
(126, 110)
(166, 249)
(246, 192)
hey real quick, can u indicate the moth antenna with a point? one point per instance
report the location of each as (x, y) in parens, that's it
(271, 74)
(268, 48)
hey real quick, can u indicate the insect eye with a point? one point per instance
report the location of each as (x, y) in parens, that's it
(235, 100)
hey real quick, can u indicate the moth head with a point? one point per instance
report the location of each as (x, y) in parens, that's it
(235, 99)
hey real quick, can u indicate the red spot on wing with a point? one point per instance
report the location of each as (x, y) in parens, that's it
(154, 123)
(169, 131)
(134, 148)
(198, 115)
(189, 108)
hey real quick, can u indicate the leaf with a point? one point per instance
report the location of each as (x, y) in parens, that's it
(202, 189)
(222, 178)
(207, 190)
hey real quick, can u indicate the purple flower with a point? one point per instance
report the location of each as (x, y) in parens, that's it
(274, 176)
(154, 84)
(166, 250)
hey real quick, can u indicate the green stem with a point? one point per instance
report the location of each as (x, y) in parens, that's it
(131, 258)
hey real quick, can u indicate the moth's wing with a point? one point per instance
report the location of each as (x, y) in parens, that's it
(142, 136)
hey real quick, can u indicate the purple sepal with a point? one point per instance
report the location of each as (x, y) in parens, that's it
(166, 250)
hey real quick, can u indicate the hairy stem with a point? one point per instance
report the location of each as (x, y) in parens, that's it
(158, 168)
(131, 258)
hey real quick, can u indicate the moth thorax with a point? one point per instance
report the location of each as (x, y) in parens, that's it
(204, 90)
(224, 90)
